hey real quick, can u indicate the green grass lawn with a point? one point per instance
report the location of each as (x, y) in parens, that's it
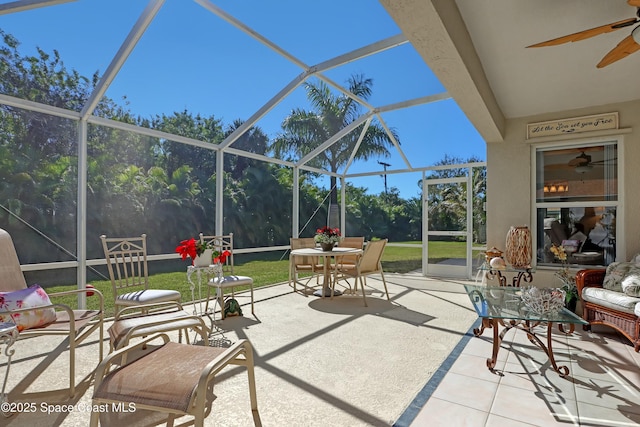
(267, 272)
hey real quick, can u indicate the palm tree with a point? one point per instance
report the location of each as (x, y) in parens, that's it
(304, 130)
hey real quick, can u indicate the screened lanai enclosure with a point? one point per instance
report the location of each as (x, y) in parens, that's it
(172, 118)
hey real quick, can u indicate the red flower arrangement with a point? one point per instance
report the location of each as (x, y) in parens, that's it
(327, 235)
(192, 248)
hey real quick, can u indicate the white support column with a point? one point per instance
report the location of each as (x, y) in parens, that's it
(295, 216)
(425, 221)
(470, 198)
(219, 193)
(343, 204)
(121, 56)
(81, 213)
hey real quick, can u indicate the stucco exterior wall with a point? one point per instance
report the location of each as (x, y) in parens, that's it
(509, 180)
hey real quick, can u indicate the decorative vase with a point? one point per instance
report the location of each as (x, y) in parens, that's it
(518, 247)
(204, 259)
(327, 246)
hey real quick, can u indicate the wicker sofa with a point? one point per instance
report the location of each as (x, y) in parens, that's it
(606, 305)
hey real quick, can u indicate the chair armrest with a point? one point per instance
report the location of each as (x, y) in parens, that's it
(61, 307)
(589, 278)
(146, 309)
(77, 291)
(123, 329)
(240, 353)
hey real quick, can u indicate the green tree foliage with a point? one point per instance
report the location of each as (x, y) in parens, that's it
(166, 189)
(447, 202)
(38, 177)
(304, 131)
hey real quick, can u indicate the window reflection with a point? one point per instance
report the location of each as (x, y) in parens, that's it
(577, 174)
(587, 233)
(576, 195)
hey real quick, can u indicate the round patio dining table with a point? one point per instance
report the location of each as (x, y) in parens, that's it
(336, 252)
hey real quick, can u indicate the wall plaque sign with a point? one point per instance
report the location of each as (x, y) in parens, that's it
(573, 125)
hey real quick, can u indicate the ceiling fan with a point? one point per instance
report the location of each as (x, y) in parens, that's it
(583, 164)
(626, 47)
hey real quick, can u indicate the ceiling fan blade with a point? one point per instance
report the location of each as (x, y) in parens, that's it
(602, 162)
(581, 35)
(634, 3)
(625, 48)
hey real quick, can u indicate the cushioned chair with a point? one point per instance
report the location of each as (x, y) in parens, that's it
(127, 264)
(350, 242)
(142, 321)
(172, 378)
(308, 265)
(368, 264)
(228, 280)
(37, 315)
(611, 297)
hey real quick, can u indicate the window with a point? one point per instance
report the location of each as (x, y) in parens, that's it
(576, 202)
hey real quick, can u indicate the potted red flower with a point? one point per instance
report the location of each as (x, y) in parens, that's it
(327, 237)
(201, 253)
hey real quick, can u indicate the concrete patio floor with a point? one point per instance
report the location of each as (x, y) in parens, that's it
(412, 361)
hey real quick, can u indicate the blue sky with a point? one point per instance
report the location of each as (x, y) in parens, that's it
(191, 59)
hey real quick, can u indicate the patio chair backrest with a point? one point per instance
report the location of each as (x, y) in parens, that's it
(126, 262)
(350, 242)
(371, 259)
(11, 277)
(303, 243)
(221, 244)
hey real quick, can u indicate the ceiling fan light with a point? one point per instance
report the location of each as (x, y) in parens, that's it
(583, 168)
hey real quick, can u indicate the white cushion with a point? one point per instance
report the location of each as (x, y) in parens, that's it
(148, 296)
(611, 299)
(616, 271)
(631, 283)
(635, 259)
(232, 281)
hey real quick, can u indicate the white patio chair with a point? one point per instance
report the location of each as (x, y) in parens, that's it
(129, 273)
(228, 281)
(46, 318)
(176, 379)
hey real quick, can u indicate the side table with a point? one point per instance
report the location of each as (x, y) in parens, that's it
(8, 337)
(201, 272)
(520, 274)
(205, 273)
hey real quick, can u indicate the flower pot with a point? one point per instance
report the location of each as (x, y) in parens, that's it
(204, 259)
(326, 246)
(571, 304)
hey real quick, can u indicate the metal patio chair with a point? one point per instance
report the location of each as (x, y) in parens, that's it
(76, 324)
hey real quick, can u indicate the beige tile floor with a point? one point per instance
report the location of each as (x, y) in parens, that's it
(412, 361)
(602, 388)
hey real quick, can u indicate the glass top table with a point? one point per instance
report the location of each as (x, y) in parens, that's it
(502, 306)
